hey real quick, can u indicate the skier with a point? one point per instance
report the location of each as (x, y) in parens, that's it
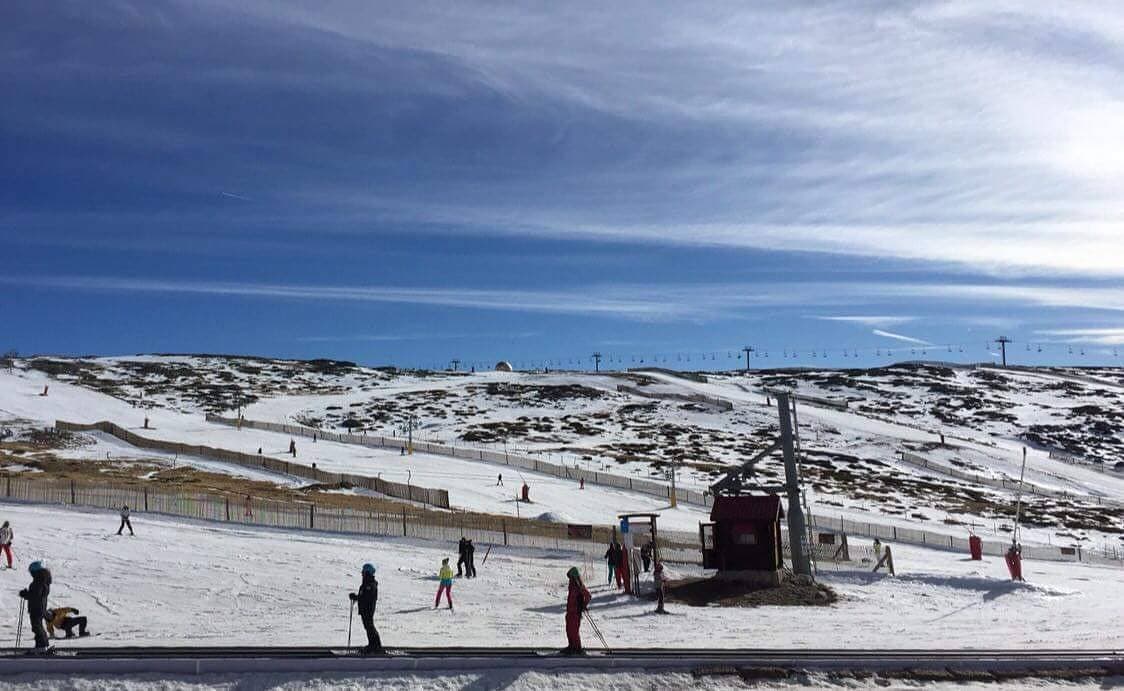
(446, 577)
(60, 618)
(125, 520)
(581, 483)
(368, 597)
(470, 559)
(577, 601)
(293, 447)
(6, 536)
(249, 510)
(499, 480)
(646, 555)
(36, 596)
(613, 557)
(462, 556)
(661, 581)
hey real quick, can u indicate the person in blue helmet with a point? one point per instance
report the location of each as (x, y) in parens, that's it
(367, 598)
(36, 595)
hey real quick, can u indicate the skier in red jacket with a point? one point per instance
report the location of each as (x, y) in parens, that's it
(576, 602)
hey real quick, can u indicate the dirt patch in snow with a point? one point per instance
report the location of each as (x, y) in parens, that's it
(707, 592)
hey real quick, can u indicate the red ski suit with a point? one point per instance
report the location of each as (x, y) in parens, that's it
(576, 603)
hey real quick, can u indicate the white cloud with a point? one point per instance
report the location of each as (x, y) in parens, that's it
(1102, 336)
(900, 337)
(869, 320)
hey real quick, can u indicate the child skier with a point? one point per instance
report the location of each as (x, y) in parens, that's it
(61, 618)
(577, 601)
(36, 595)
(125, 520)
(446, 576)
(6, 536)
(368, 597)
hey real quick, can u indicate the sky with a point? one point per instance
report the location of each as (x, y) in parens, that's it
(831, 183)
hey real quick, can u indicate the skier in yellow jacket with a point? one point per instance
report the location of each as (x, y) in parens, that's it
(446, 577)
(60, 618)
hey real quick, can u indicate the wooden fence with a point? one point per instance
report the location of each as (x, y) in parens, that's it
(422, 495)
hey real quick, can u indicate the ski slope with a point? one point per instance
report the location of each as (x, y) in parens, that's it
(182, 583)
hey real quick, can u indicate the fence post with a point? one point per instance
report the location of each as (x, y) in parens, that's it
(146, 500)
(9, 485)
(312, 516)
(504, 523)
(72, 491)
(896, 533)
(228, 509)
(403, 522)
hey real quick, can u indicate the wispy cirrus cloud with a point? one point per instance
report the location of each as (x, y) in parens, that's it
(869, 320)
(899, 337)
(1096, 336)
(973, 134)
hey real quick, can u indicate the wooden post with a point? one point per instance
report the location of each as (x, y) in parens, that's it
(504, 522)
(146, 500)
(403, 522)
(312, 515)
(228, 508)
(72, 491)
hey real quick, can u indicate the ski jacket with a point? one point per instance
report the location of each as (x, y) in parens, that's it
(469, 550)
(6, 535)
(462, 546)
(577, 601)
(613, 555)
(368, 595)
(56, 617)
(124, 513)
(36, 594)
(446, 575)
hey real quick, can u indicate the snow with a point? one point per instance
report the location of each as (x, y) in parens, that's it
(184, 582)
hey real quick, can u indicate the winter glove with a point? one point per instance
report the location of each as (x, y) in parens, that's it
(23, 593)
(353, 596)
(75, 612)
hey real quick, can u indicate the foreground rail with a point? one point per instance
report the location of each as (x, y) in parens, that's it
(303, 660)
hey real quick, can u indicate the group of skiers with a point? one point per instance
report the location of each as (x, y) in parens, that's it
(466, 564)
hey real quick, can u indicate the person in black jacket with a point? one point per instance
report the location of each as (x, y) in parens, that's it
(462, 557)
(36, 596)
(470, 559)
(613, 557)
(368, 597)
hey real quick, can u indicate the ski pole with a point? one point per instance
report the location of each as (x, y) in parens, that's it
(19, 625)
(350, 618)
(596, 629)
(485, 561)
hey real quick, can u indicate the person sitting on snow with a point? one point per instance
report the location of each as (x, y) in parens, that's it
(61, 618)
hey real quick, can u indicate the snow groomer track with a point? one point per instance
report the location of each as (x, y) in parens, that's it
(227, 660)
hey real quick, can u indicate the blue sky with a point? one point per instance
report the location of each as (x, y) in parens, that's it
(411, 182)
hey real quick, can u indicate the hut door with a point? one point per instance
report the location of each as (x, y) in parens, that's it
(706, 541)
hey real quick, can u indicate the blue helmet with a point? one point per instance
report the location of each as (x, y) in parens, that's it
(369, 568)
(35, 566)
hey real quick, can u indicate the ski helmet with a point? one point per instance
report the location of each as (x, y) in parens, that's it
(369, 568)
(35, 566)
(573, 572)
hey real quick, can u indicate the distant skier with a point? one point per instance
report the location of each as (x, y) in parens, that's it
(6, 536)
(446, 577)
(646, 555)
(613, 557)
(36, 595)
(499, 480)
(577, 601)
(581, 483)
(66, 618)
(470, 559)
(462, 556)
(293, 447)
(125, 520)
(368, 598)
(248, 511)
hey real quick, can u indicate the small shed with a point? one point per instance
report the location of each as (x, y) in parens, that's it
(745, 535)
(503, 366)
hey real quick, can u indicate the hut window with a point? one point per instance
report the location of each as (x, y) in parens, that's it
(747, 537)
